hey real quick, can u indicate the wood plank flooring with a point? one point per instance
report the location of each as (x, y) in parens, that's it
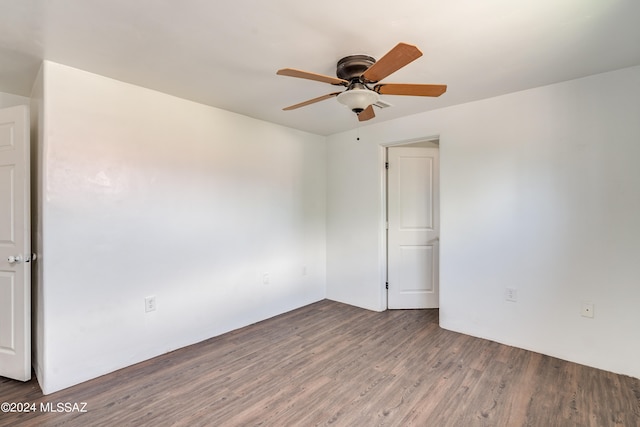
(330, 364)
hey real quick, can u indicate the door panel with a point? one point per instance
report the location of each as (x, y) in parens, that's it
(414, 227)
(15, 246)
(7, 304)
(416, 268)
(415, 187)
(7, 205)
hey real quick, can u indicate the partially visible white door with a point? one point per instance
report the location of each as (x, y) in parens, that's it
(414, 227)
(15, 245)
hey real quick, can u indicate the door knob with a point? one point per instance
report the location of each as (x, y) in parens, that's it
(14, 259)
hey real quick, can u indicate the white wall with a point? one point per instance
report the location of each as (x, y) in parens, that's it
(147, 194)
(10, 100)
(540, 190)
(37, 200)
(354, 238)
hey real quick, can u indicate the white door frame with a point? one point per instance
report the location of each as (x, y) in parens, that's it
(383, 208)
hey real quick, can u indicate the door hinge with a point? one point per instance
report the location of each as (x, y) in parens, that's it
(386, 165)
(387, 285)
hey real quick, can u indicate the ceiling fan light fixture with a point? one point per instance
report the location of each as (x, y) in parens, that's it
(358, 99)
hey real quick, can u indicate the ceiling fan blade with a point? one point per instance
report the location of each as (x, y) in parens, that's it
(395, 59)
(410, 89)
(311, 101)
(292, 72)
(366, 114)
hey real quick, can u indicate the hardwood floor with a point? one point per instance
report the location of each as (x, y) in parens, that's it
(333, 364)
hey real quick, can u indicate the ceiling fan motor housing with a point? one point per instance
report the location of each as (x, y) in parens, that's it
(351, 67)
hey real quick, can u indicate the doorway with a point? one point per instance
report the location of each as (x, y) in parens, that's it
(413, 225)
(15, 244)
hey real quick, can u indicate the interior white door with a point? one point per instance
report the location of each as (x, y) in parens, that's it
(413, 227)
(15, 245)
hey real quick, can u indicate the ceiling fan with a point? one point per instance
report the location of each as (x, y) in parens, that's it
(358, 72)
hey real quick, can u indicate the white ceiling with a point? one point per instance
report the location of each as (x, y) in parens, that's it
(226, 53)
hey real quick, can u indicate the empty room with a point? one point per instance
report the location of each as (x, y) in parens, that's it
(268, 213)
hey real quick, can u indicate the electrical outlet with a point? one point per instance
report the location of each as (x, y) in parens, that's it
(511, 294)
(150, 304)
(265, 278)
(587, 309)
